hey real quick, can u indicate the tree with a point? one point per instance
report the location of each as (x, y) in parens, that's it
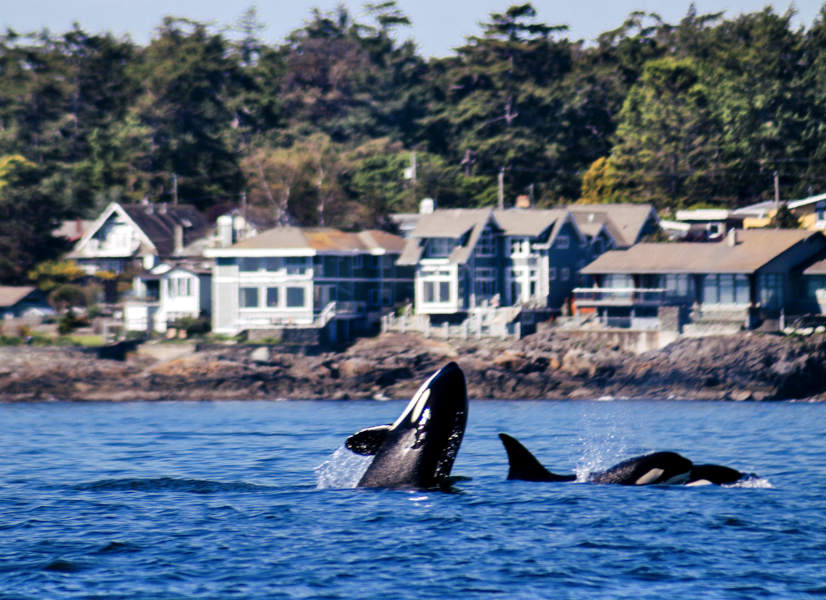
(783, 218)
(667, 148)
(28, 215)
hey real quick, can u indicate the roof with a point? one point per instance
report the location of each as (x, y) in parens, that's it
(754, 249)
(446, 223)
(158, 222)
(527, 222)
(625, 222)
(818, 268)
(314, 240)
(11, 295)
(704, 214)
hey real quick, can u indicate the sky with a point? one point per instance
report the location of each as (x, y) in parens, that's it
(438, 25)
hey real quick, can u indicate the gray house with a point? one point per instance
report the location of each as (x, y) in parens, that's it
(467, 259)
(289, 277)
(747, 277)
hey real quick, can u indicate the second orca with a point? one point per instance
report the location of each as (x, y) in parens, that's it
(649, 469)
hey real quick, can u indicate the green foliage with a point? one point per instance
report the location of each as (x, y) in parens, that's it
(318, 128)
(783, 218)
(68, 295)
(194, 326)
(71, 321)
(51, 273)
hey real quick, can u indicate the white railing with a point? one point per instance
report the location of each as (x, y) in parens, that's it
(619, 296)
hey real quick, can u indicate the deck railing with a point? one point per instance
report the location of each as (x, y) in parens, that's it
(595, 296)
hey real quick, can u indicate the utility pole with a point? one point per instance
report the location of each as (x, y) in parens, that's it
(776, 191)
(413, 176)
(174, 189)
(502, 188)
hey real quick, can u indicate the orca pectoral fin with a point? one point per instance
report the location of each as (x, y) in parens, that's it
(524, 466)
(368, 441)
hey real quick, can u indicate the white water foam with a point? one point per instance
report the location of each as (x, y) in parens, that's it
(752, 482)
(343, 469)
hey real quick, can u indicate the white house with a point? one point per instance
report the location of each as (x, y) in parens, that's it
(166, 294)
(137, 235)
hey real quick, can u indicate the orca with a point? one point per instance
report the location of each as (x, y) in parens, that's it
(419, 448)
(649, 469)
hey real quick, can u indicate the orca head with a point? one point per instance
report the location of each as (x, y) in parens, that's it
(714, 474)
(419, 448)
(650, 469)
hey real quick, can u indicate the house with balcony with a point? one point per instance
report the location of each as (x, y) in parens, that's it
(473, 265)
(138, 236)
(289, 278)
(748, 278)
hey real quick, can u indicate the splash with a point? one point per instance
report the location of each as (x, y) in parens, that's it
(343, 469)
(753, 482)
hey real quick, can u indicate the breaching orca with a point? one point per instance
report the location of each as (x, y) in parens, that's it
(418, 450)
(655, 468)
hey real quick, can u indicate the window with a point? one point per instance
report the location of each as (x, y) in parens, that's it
(248, 297)
(358, 261)
(428, 290)
(272, 297)
(771, 290)
(444, 291)
(562, 242)
(440, 247)
(273, 264)
(565, 274)
(519, 246)
(295, 297)
(179, 287)
(296, 266)
(250, 264)
(710, 292)
(486, 244)
(552, 274)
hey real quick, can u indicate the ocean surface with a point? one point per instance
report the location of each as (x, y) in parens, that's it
(255, 500)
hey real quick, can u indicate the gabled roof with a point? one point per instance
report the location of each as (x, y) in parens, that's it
(310, 241)
(12, 294)
(158, 224)
(625, 222)
(754, 249)
(451, 223)
(155, 224)
(527, 222)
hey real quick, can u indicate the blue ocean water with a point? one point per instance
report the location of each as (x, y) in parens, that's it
(234, 500)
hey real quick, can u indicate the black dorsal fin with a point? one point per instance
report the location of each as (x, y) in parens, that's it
(524, 466)
(368, 441)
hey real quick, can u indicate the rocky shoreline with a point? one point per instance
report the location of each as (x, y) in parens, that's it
(551, 364)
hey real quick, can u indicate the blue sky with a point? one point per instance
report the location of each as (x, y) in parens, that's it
(438, 26)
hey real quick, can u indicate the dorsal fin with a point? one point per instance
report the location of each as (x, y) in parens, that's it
(368, 441)
(524, 466)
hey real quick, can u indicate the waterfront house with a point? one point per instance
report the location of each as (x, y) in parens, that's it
(810, 212)
(166, 293)
(134, 236)
(307, 278)
(749, 277)
(469, 259)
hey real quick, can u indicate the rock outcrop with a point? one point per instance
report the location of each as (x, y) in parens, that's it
(551, 364)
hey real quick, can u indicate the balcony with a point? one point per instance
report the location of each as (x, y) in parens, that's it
(594, 296)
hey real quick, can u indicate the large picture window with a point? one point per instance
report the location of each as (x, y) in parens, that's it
(248, 297)
(295, 297)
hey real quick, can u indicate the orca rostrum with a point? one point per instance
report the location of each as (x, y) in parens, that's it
(418, 449)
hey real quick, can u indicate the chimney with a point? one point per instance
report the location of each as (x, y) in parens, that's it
(523, 201)
(224, 231)
(731, 238)
(427, 206)
(179, 240)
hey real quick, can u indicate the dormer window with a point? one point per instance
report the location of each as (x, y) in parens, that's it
(519, 246)
(440, 247)
(562, 242)
(486, 244)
